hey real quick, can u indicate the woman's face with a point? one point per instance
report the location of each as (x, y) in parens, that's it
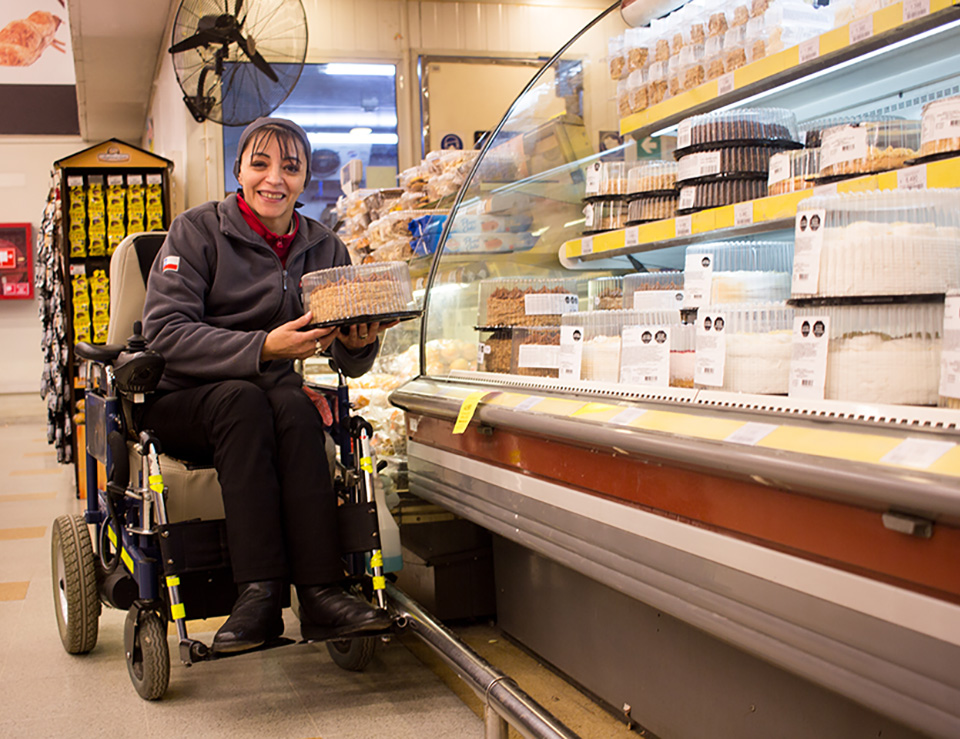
(272, 177)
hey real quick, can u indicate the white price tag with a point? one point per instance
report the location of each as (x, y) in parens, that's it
(688, 196)
(586, 245)
(688, 167)
(807, 245)
(78, 270)
(645, 356)
(683, 226)
(822, 191)
(861, 29)
(940, 121)
(75, 181)
(684, 134)
(809, 49)
(115, 180)
(571, 352)
(631, 237)
(526, 404)
(912, 178)
(950, 353)
(538, 356)
(549, 304)
(779, 168)
(743, 214)
(626, 416)
(134, 179)
(711, 350)
(917, 453)
(154, 179)
(843, 144)
(653, 300)
(482, 351)
(808, 363)
(751, 433)
(709, 163)
(725, 84)
(593, 179)
(913, 9)
(697, 280)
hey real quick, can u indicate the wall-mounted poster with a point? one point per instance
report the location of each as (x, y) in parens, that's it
(38, 83)
(16, 261)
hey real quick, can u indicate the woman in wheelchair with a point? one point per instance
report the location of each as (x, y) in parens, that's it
(223, 308)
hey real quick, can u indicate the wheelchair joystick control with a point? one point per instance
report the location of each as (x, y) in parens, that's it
(138, 369)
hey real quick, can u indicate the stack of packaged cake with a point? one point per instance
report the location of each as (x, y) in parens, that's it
(605, 204)
(651, 192)
(724, 156)
(874, 269)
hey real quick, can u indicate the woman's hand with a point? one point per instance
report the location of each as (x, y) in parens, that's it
(290, 341)
(358, 336)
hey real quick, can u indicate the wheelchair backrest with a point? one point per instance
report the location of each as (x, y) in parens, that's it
(129, 269)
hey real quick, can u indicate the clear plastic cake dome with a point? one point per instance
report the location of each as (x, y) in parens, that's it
(747, 271)
(868, 146)
(893, 242)
(535, 351)
(883, 353)
(758, 126)
(605, 293)
(653, 291)
(940, 127)
(652, 177)
(792, 171)
(362, 291)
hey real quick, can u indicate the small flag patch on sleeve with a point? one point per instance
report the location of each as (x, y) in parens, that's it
(171, 263)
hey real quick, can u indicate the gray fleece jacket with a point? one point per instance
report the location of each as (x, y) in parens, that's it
(216, 289)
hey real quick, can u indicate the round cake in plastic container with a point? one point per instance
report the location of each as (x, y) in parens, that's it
(604, 215)
(940, 127)
(883, 243)
(758, 347)
(653, 291)
(720, 192)
(793, 171)
(651, 177)
(359, 293)
(495, 350)
(605, 293)
(747, 271)
(869, 146)
(613, 179)
(883, 353)
(775, 127)
(651, 208)
(507, 301)
(731, 161)
(535, 351)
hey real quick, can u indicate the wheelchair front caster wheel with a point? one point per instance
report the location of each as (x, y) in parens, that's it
(353, 654)
(75, 595)
(147, 653)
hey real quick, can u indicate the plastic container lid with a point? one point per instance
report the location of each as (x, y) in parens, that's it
(605, 293)
(792, 171)
(507, 301)
(758, 126)
(870, 146)
(940, 126)
(652, 177)
(357, 291)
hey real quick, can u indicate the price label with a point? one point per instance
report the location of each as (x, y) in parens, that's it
(645, 356)
(571, 352)
(913, 9)
(917, 453)
(709, 163)
(697, 279)
(627, 416)
(115, 180)
(751, 433)
(711, 350)
(586, 245)
(743, 214)
(688, 196)
(468, 408)
(809, 49)
(550, 304)
(950, 355)
(526, 404)
(631, 237)
(808, 363)
(779, 168)
(725, 84)
(912, 178)
(861, 29)
(683, 226)
(807, 245)
(75, 181)
(593, 179)
(683, 134)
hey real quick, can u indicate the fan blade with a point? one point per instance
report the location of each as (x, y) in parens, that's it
(200, 38)
(258, 61)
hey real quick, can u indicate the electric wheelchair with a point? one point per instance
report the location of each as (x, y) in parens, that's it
(152, 540)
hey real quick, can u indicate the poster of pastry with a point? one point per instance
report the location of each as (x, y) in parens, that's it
(37, 75)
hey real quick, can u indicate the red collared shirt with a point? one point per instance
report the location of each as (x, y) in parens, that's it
(280, 244)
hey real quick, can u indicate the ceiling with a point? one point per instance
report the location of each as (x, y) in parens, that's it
(117, 46)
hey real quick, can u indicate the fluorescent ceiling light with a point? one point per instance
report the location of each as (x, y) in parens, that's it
(367, 70)
(350, 138)
(361, 131)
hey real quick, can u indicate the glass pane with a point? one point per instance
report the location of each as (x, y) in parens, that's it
(526, 194)
(349, 111)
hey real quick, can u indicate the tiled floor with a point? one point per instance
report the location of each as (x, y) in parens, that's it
(294, 691)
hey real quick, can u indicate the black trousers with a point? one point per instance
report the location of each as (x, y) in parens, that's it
(268, 449)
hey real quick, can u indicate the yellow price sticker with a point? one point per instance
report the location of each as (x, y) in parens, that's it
(468, 408)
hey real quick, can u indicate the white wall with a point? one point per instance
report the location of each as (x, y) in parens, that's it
(25, 167)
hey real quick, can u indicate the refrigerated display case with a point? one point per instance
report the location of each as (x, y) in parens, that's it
(715, 562)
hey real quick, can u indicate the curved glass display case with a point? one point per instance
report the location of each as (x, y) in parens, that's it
(710, 266)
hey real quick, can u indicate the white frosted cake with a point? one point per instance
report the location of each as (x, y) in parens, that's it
(758, 363)
(749, 286)
(600, 361)
(872, 368)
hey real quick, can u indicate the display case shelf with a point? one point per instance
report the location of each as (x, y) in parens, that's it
(773, 213)
(826, 58)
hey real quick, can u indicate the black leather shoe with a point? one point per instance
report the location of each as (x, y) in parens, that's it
(256, 618)
(329, 611)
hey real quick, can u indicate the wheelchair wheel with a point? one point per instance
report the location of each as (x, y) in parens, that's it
(148, 659)
(353, 654)
(75, 596)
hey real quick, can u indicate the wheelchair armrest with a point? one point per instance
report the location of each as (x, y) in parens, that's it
(106, 354)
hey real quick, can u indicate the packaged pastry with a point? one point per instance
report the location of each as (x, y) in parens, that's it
(657, 83)
(692, 69)
(940, 127)
(652, 177)
(535, 351)
(730, 161)
(882, 353)
(651, 208)
(600, 337)
(526, 302)
(613, 178)
(793, 171)
(673, 76)
(746, 271)
(893, 242)
(494, 351)
(653, 291)
(757, 126)
(637, 91)
(741, 14)
(722, 192)
(623, 98)
(757, 343)
(604, 215)
(617, 57)
(362, 291)
(637, 48)
(870, 146)
(717, 23)
(605, 293)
